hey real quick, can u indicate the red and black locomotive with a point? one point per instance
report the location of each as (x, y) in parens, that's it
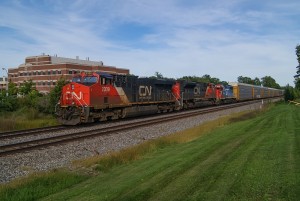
(100, 96)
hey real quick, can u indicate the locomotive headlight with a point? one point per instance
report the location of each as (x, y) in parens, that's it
(72, 86)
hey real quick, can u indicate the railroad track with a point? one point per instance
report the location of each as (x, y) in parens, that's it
(29, 132)
(61, 139)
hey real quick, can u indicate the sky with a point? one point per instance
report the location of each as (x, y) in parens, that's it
(224, 39)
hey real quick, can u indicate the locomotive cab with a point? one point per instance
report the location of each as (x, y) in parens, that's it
(75, 99)
(90, 97)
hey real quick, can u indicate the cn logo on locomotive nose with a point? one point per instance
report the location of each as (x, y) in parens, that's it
(73, 94)
(145, 91)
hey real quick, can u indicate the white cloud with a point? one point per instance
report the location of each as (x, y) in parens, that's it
(219, 39)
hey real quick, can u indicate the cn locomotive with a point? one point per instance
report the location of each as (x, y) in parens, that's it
(100, 96)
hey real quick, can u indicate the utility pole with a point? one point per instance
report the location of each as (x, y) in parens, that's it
(6, 81)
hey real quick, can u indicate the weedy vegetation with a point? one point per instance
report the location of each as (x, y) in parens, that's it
(25, 118)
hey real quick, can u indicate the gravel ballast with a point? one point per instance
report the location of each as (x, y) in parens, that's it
(22, 164)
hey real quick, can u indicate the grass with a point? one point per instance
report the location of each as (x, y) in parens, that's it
(39, 185)
(257, 158)
(25, 119)
(106, 162)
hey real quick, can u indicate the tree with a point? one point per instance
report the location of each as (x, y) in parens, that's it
(10, 102)
(268, 81)
(157, 75)
(12, 89)
(26, 87)
(289, 93)
(297, 84)
(47, 102)
(256, 81)
(246, 80)
(205, 78)
(297, 76)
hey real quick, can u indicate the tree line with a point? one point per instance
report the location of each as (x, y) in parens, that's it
(266, 81)
(292, 93)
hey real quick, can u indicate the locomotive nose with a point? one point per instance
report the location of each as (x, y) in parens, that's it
(68, 98)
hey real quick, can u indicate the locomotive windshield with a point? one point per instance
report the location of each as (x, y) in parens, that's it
(87, 80)
(76, 79)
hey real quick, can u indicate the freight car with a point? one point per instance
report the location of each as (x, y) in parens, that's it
(244, 92)
(94, 97)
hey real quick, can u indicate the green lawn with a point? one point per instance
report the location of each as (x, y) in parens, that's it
(255, 159)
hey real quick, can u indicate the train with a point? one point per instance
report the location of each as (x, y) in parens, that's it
(100, 96)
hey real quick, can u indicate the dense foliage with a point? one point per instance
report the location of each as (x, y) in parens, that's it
(26, 96)
(292, 93)
(248, 80)
(289, 93)
(205, 78)
(297, 76)
(266, 81)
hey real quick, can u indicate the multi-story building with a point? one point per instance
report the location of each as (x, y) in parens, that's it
(3, 82)
(45, 70)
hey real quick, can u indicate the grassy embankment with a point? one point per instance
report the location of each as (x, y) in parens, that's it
(254, 159)
(25, 119)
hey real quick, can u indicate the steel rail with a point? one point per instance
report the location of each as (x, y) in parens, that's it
(34, 131)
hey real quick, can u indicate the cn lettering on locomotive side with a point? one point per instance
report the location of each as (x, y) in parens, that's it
(196, 90)
(145, 91)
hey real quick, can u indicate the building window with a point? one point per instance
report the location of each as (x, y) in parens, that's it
(44, 73)
(39, 73)
(70, 72)
(49, 72)
(54, 83)
(59, 72)
(54, 72)
(24, 74)
(44, 83)
(34, 73)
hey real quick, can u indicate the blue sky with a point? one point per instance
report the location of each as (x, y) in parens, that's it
(224, 39)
